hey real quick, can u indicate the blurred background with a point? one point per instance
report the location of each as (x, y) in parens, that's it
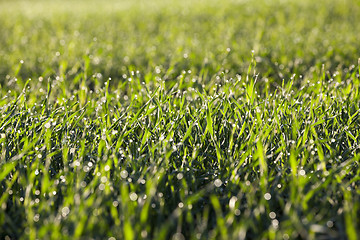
(63, 38)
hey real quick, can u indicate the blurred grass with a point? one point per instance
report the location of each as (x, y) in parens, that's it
(288, 37)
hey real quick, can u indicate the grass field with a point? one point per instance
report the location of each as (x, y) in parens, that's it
(179, 119)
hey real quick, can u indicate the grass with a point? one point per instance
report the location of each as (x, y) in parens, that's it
(181, 120)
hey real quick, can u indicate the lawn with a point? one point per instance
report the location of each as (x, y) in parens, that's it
(179, 120)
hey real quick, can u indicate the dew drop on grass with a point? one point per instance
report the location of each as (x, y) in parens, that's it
(179, 176)
(267, 196)
(144, 234)
(272, 215)
(330, 224)
(65, 211)
(103, 179)
(178, 236)
(286, 236)
(47, 125)
(232, 202)
(36, 218)
(133, 196)
(115, 203)
(217, 183)
(101, 187)
(124, 174)
(275, 223)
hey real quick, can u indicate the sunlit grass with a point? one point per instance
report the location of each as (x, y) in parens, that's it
(151, 120)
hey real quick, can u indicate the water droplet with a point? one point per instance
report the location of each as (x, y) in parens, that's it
(144, 233)
(133, 196)
(36, 217)
(267, 196)
(217, 183)
(330, 224)
(72, 150)
(179, 176)
(232, 202)
(275, 223)
(178, 236)
(103, 179)
(286, 236)
(102, 187)
(65, 211)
